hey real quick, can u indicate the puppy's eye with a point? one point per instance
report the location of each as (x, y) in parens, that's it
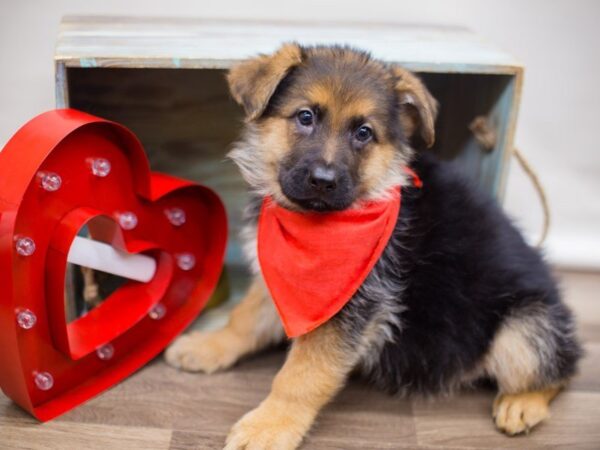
(363, 133)
(306, 117)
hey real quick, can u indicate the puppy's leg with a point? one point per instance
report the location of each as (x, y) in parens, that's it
(525, 359)
(91, 290)
(253, 325)
(315, 370)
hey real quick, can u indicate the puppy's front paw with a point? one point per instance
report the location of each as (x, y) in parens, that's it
(266, 428)
(519, 413)
(203, 352)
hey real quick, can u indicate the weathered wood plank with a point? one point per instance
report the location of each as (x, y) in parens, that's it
(15, 435)
(465, 421)
(100, 41)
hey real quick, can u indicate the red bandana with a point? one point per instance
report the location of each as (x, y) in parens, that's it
(313, 263)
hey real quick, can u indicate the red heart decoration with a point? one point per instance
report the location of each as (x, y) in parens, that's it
(54, 178)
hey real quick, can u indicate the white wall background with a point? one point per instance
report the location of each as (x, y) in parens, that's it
(558, 41)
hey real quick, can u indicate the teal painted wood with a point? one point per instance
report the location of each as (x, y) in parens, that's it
(61, 85)
(495, 164)
(189, 42)
(489, 167)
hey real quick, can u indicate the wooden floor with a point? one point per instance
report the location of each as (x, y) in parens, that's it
(161, 408)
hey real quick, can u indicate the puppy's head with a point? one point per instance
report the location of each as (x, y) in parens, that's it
(327, 126)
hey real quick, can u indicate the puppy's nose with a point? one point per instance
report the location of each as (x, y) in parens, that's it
(322, 178)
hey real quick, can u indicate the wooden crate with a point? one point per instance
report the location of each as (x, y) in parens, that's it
(164, 79)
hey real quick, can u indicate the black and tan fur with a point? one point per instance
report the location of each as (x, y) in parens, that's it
(457, 295)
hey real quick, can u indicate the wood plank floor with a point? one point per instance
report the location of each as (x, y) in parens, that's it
(161, 408)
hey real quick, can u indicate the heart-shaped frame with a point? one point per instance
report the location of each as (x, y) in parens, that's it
(58, 172)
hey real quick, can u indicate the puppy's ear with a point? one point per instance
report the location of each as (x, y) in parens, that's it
(253, 82)
(418, 108)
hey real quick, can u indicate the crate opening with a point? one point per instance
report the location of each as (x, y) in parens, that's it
(187, 122)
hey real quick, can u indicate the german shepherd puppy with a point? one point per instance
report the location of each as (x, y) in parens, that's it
(457, 295)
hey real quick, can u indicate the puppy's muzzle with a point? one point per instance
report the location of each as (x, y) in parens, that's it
(317, 185)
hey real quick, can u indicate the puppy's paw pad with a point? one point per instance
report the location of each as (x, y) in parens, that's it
(201, 352)
(264, 430)
(518, 413)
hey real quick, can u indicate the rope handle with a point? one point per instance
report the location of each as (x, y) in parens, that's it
(485, 134)
(537, 184)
